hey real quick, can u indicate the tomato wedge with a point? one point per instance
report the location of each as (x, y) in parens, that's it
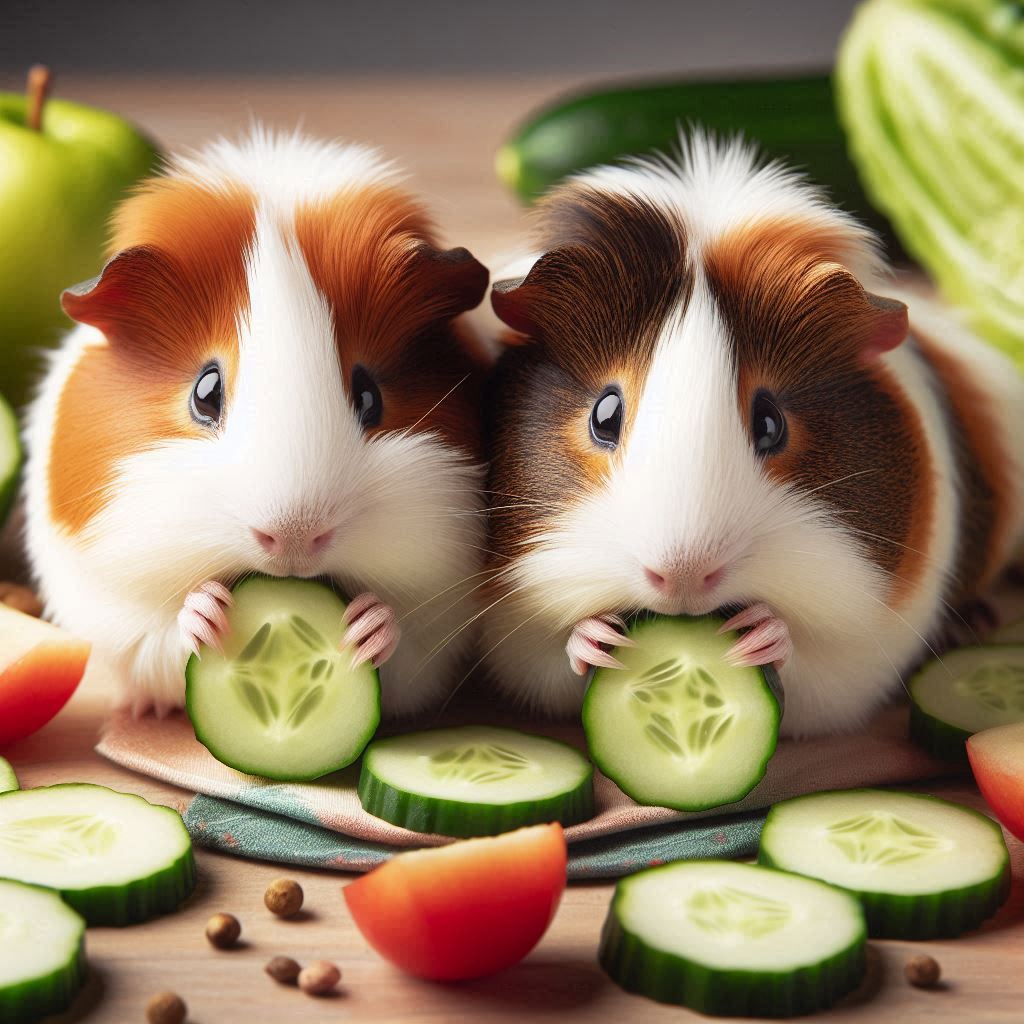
(465, 910)
(40, 667)
(997, 760)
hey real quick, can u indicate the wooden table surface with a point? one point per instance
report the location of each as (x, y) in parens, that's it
(445, 132)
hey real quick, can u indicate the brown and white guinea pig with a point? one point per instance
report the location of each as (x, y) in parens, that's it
(266, 377)
(705, 405)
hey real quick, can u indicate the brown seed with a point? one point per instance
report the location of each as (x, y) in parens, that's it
(319, 977)
(21, 599)
(922, 971)
(283, 897)
(166, 1008)
(223, 930)
(283, 969)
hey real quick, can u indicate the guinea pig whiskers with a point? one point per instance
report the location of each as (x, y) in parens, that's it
(840, 479)
(889, 608)
(489, 652)
(457, 384)
(441, 593)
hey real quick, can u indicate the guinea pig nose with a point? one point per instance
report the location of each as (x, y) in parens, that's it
(267, 541)
(655, 579)
(713, 578)
(321, 541)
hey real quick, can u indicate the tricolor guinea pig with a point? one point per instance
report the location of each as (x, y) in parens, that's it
(269, 374)
(710, 400)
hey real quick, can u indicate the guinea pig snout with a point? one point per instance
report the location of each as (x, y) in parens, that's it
(294, 539)
(689, 578)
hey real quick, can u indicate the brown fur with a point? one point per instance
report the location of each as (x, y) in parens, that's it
(594, 305)
(166, 309)
(983, 469)
(801, 326)
(168, 305)
(393, 294)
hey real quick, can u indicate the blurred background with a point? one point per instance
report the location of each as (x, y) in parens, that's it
(436, 85)
(599, 37)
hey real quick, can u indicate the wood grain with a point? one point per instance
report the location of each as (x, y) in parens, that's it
(445, 132)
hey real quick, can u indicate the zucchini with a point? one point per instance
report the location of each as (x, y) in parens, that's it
(475, 781)
(733, 939)
(8, 780)
(791, 119)
(42, 953)
(932, 98)
(923, 868)
(678, 726)
(10, 458)
(115, 858)
(969, 689)
(283, 700)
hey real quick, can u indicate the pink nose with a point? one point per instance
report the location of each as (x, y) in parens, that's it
(702, 579)
(309, 542)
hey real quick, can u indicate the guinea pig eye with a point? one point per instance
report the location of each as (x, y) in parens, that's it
(767, 424)
(207, 396)
(606, 418)
(366, 398)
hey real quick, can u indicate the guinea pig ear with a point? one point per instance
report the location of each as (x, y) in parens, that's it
(454, 280)
(518, 297)
(888, 325)
(133, 280)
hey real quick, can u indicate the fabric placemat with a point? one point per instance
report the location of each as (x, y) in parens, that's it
(245, 832)
(167, 749)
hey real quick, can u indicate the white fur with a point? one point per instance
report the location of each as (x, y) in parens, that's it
(290, 448)
(686, 486)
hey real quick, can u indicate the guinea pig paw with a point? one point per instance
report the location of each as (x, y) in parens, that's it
(590, 642)
(202, 619)
(373, 630)
(765, 642)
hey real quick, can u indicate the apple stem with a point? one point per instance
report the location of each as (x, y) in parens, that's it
(39, 81)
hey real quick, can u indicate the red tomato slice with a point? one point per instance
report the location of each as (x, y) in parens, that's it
(40, 667)
(465, 910)
(997, 760)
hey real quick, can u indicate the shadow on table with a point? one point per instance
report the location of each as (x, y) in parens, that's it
(551, 984)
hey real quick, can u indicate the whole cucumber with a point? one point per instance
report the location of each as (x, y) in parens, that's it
(792, 119)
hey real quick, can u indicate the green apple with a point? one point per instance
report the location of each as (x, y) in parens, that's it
(10, 458)
(58, 185)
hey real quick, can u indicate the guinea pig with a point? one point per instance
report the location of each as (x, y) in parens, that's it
(706, 404)
(270, 374)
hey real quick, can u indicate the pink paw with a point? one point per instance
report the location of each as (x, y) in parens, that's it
(767, 640)
(372, 629)
(590, 641)
(202, 619)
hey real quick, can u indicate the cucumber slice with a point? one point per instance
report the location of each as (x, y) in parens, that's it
(116, 858)
(283, 700)
(970, 689)
(475, 781)
(923, 868)
(677, 726)
(733, 939)
(10, 458)
(8, 780)
(42, 953)
(1011, 633)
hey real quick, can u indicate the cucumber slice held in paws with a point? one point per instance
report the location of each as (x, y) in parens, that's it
(283, 701)
(677, 726)
(42, 953)
(475, 781)
(923, 868)
(968, 690)
(733, 939)
(115, 858)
